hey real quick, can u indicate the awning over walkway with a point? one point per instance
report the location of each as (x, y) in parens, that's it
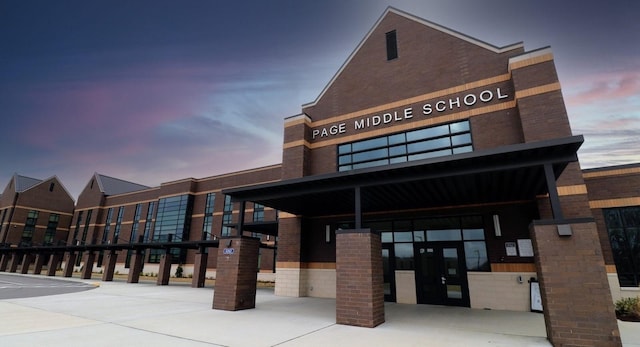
(508, 173)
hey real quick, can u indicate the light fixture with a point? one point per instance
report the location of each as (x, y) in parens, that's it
(496, 225)
(327, 234)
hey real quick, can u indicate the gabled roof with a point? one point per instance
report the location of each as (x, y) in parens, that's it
(113, 186)
(422, 21)
(23, 183)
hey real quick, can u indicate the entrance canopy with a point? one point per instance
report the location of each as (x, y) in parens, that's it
(508, 173)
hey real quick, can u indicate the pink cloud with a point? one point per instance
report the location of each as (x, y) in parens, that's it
(606, 87)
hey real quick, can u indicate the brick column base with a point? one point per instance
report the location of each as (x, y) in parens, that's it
(54, 261)
(109, 266)
(236, 274)
(39, 263)
(68, 266)
(87, 268)
(5, 261)
(164, 269)
(359, 282)
(27, 258)
(15, 260)
(135, 266)
(199, 270)
(577, 304)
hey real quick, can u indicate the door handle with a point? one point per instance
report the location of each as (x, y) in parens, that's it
(443, 279)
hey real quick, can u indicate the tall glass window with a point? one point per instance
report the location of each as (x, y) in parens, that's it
(623, 226)
(77, 229)
(136, 224)
(149, 221)
(438, 141)
(116, 229)
(52, 226)
(173, 218)
(107, 226)
(227, 216)
(85, 231)
(29, 228)
(258, 212)
(208, 216)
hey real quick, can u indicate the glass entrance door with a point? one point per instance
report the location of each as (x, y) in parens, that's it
(388, 273)
(441, 277)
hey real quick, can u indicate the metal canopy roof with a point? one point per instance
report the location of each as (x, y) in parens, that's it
(508, 173)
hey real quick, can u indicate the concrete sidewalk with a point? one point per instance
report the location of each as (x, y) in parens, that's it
(144, 314)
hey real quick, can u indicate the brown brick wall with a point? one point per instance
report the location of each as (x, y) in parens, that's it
(575, 291)
(613, 187)
(496, 129)
(421, 67)
(236, 275)
(544, 117)
(359, 287)
(289, 239)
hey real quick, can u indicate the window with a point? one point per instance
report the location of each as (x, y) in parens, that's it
(136, 224)
(107, 226)
(208, 216)
(116, 230)
(77, 229)
(149, 221)
(623, 227)
(29, 228)
(441, 140)
(173, 221)
(227, 216)
(466, 229)
(85, 231)
(258, 212)
(52, 226)
(392, 45)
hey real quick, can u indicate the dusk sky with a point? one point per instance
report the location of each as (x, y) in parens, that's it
(155, 91)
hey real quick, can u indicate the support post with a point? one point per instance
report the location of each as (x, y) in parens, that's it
(576, 298)
(237, 274)
(15, 260)
(87, 270)
(109, 266)
(199, 268)
(40, 259)
(164, 269)
(359, 278)
(27, 258)
(54, 261)
(5, 261)
(69, 264)
(135, 266)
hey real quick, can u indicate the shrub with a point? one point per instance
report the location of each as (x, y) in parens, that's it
(179, 271)
(628, 308)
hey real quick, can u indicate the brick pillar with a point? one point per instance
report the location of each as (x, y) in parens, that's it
(70, 263)
(237, 274)
(577, 304)
(54, 261)
(40, 259)
(164, 269)
(5, 261)
(87, 269)
(290, 271)
(27, 258)
(135, 266)
(15, 260)
(109, 266)
(359, 278)
(199, 269)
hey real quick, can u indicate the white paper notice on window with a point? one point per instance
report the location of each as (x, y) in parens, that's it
(525, 247)
(512, 251)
